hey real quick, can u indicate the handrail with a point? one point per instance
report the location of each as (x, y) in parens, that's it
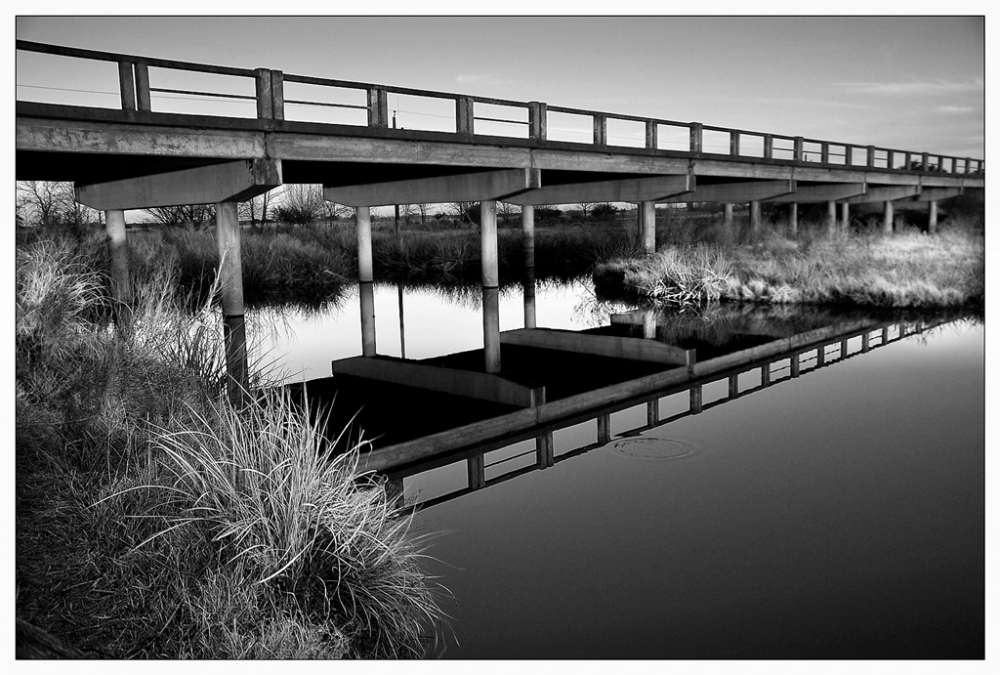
(135, 96)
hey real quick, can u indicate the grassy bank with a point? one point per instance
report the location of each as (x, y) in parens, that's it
(910, 269)
(155, 521)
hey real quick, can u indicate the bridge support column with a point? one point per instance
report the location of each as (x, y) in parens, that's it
(845, 218)
(528, 238)
(114, 227)
(831, 218)
(227, 232)
(755, 217)
(491, 283)
(727, 217)
(793, 220)
(887, 217)
(647, 225)
(366, 286)
(932, 219)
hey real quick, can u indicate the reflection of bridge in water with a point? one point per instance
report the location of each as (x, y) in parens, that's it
(523, 442)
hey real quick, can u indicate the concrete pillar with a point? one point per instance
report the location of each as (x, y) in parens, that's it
(363, 225)
(845, 218)
(727, 217)
(528, 239)
(755, 217)
(366, 292)
(793, 220)
(114, 226)
(647, 226)
(402, 323)
(933, 217)
(227, 233)
(491, 282)
(887, 217)
(831, 218)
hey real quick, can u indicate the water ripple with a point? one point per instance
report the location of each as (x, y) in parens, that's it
(641, 447)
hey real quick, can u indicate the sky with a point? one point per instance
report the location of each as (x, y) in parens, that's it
(907, 83)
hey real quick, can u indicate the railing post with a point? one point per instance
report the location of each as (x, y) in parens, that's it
(925, 160)
(600, 130)
(734, 143)
(798, 143)
(378, 108)
(278, 94)
(824, 152)
(537, 126)
(968, 165)
(870, 160)
(127, 85)
(465, 122)
(768, 146)
(142, 86)
(696, 137)
(651, 131)
(265, 102)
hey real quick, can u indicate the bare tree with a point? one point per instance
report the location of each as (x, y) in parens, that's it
(257, 209)
(333, 210)
(300, 203)
(507, 212)
(586, 209)
(195, 214)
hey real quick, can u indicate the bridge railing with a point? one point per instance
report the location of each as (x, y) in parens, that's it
(367, 104)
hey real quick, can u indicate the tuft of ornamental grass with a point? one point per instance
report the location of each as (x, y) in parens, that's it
(129, 474)
(904, 270)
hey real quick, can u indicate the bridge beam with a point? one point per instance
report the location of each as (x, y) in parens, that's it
(229, 182)
(805, 194)
(933, 194)
(734, 193)
(885, 194)
(468, 187)
(633, 190)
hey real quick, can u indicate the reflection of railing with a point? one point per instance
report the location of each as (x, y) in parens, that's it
(728, 369)
(532, 118)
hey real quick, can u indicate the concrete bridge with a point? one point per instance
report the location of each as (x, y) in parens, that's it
(133, 156)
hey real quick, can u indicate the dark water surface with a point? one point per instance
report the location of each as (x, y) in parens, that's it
(839, 514)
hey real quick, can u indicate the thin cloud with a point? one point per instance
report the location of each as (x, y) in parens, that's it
(800, 102)
(956, 109)
(926, 88)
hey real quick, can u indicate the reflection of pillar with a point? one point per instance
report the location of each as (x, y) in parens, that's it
(696, 399)
(653, 412)
(402, 335)
(491, 292)
(755, 217)
(933, 217)
(529, 298)
(545, 451)
(366, 291)
(765, 375)
(649, 324)
(528, 240)
(114, 226)
(821, 356)
(604, 429)
(795, 365)
(885, 334)
(843, 348)
(491, 329)
(865, 342)
(845, 218)
(394, 492)
(793, 220)
(831, 218)
(647, 226)
(227, 234)
(477, 471)
(734, 385)
(887, 217)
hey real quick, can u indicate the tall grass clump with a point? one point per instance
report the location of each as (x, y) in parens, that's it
(155, 520)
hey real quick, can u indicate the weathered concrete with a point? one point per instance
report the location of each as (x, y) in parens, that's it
(887, 217)
(633, 190)
(635, 349)
(114, 227)
(469, 187)
(793, 219)
(734, 193)
(755, 219)
(363, 228)
(227, 229)
(884, 193)
(845, 217)
(366, 295)
(482, 386)
(831, 217)
(232, 181)
(821, 193)
(647, 225)
(932, 217)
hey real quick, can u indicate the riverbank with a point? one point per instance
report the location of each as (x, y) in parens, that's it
(910, 269)
(155, 521)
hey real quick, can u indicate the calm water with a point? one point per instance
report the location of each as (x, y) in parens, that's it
(836, 515)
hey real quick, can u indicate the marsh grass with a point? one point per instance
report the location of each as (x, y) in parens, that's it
(868, 269)
(154, 520)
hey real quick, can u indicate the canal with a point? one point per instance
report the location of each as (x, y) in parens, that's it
(838, 513)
